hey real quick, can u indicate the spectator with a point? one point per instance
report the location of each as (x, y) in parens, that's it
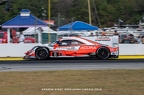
(142, 39)
(139, 39)
(131, 39)
(115, 32)
(21, 38)
(96, 33)
(91, 34)
(125, 40)
(103, 33)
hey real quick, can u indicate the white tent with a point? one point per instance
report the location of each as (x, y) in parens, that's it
(80, 33)
(36, 30)
(39, 31)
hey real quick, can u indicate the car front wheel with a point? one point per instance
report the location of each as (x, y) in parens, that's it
(42, 53)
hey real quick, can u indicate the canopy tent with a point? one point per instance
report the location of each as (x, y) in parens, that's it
(43, 32)
(23, 20)
(76, 26)
(35, 30)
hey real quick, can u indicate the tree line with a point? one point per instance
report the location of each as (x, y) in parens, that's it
(104, 13)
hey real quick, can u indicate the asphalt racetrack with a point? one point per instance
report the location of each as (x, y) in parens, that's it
(70, 64)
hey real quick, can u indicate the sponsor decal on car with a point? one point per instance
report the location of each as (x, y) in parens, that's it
(88, 47)
(67, 48)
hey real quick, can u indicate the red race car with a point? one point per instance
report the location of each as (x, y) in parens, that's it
(74, 47)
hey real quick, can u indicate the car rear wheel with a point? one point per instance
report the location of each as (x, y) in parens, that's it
(103, 53)
(42, 53)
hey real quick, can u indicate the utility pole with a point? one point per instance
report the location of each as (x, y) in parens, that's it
(96, 13)
(89, 11)
(59, 19)
(49, 15)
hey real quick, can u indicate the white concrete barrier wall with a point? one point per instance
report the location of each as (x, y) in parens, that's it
(14, 50)
(131, 49)
(18, 50)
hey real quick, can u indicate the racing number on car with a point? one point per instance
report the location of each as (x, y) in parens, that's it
(55, 54)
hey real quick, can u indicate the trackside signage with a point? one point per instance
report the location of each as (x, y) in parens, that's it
(107, 40)
(103, 38)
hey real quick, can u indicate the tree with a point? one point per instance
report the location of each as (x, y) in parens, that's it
(79, 10)
(109, 11)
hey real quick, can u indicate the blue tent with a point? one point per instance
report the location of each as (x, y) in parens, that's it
(23, 20)
(77, 25)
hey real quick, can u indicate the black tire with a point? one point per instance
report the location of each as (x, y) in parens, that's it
(42, 53)
(103, 53)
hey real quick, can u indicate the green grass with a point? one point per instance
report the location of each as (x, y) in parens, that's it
(73, 82)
